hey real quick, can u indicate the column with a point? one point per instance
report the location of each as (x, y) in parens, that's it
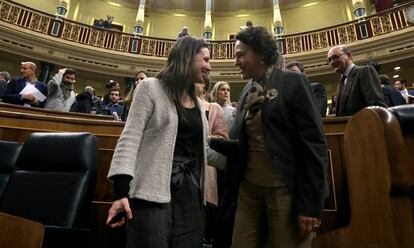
(360, 13)
(359, 9)
(208, 27)
(62, 8)
(278, 27)
(139, 21)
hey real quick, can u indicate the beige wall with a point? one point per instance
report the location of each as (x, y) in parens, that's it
(324, 14)
(225, 24)
(166, 24)
(48, 6)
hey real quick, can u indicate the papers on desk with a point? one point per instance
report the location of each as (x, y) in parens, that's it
(31, 89)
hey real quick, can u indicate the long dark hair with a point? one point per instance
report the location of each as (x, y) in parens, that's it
(178, 75)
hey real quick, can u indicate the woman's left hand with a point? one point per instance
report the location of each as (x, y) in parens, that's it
(308, 224)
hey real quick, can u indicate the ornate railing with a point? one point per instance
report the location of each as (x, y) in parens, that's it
(34, 20)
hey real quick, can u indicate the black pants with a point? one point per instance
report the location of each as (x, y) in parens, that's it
(177, 224)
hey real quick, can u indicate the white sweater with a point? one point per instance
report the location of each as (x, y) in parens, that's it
(146, 146)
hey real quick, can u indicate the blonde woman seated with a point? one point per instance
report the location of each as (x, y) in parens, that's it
(221, 95)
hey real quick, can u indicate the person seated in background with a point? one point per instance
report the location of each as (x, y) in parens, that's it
(96, 100)
(281, 62)
(401, 86)
(111, 84)
(221, 95)
(84, 103)
(99, 23)
(141, 75)
(249, 24)
(108, 22)
(31, 96)
(392, 97)
(317, 88)
(61, 95)
(114, 106)
(4, 80)
(184, 32)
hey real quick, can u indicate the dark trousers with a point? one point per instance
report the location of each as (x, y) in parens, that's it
(177, 224)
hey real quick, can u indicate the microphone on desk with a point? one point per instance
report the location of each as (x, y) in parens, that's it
(115, 115)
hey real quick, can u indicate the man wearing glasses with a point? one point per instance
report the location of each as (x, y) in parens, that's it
(359, 86)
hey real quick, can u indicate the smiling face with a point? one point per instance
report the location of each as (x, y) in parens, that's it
(251, 65)
(201, 65)
(339, 60)
(69, 78)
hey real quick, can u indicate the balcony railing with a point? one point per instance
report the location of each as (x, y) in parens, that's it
(34, 20)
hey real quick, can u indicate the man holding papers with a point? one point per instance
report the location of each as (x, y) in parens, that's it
(26, 90)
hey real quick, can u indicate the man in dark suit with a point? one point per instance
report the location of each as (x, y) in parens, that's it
(392, 97)
(13, 93)
(317, 88)
(113, 106)
(4, 79)
(359, 86)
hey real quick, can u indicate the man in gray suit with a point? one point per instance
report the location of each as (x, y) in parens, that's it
(359, 86)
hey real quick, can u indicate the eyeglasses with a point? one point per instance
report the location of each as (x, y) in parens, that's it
(335, 57)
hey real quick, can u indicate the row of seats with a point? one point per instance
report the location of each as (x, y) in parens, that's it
(50, 179)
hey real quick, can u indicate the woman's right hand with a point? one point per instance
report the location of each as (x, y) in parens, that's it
(119, 206)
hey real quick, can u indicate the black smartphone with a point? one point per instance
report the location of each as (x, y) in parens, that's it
(118, 217)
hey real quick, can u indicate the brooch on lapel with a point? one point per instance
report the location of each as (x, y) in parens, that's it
(271, 94)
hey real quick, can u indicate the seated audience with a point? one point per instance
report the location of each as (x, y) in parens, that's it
(97, 101)
(281, 62)
(317, 88)
(221, 95)
(99, 23)
(401, 85)
(108, 22)
(112, 84)
(392, 97)
(141, 75)
(31, 96)
(114, 106)
(184, 32)
(60, 88)
(84, 103)
(4, 80)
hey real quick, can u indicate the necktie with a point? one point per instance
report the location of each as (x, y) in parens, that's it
(341, 88)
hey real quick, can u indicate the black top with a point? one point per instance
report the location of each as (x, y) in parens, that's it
(189, 133)
(189, 140)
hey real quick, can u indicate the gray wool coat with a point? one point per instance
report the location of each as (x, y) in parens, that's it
(146, 146)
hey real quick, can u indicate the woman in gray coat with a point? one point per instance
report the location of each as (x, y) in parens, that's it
(159, 163)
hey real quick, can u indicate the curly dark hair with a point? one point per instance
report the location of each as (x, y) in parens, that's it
(261, 42)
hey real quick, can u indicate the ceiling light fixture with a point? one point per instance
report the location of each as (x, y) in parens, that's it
(310, 4)
(395, 76)
(179, 15)
(243, 15)
(397, 68)
(114, 4)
